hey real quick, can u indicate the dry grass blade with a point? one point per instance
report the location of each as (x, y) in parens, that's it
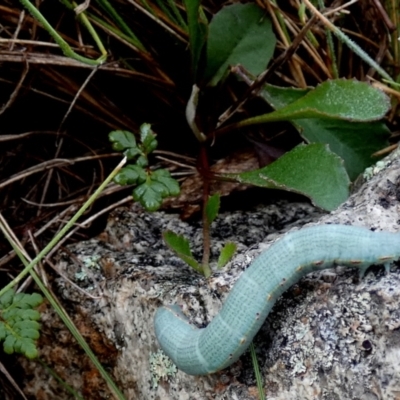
(11, 380)
(14, 94)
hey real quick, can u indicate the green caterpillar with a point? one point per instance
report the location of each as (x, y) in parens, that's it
(204, 351)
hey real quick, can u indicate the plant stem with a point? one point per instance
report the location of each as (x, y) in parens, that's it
(65, 47)
(206, 225)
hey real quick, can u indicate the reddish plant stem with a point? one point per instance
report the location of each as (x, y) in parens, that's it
(205, 172)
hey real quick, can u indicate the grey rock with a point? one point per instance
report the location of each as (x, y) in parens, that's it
(329, 337)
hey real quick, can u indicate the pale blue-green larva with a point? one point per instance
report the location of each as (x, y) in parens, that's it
(204, 351)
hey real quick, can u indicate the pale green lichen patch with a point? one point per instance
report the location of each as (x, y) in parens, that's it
(161, 367)
(88, 262)
(92, 262)
(381, 165)
(375, 169)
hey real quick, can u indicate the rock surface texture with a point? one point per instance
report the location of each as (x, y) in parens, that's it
(329, 337)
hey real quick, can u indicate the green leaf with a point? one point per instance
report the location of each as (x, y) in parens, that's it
(198, 27)
(28, 301)
(35, 299)
(32, 315)
(226, 254)
(192, 263)
(177, 243)
(279, 97)
(2, 331)
(180, 245)
(19, 329)
(157, 186)
(17, 345)
(212, 207)
(11, 313)
(148, 138)
(130, 175)
(132, 153)
(353, 141)
(149, 195)
(18, 297)
(26, 324)
(334, 99)
(122, 140)
(30, 350)
(239, 34)
(8, 344)
(145, 132)
(164, 177)
(7, 298)
(340, 99)
(30, 334)
(26, 346)
(312, 170)
(142, 161)
(152, 186)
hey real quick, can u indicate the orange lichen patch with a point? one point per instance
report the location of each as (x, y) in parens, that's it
(297, 291)
(318, 263)
(92, 381)
(355, 262)
(98, 343)
(253, 391)
(220, 387)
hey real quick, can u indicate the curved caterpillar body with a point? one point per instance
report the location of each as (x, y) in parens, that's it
(204, 351)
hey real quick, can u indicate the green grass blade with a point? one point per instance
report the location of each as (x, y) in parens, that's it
(121, 23)
(65, 47)
(257, 372)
